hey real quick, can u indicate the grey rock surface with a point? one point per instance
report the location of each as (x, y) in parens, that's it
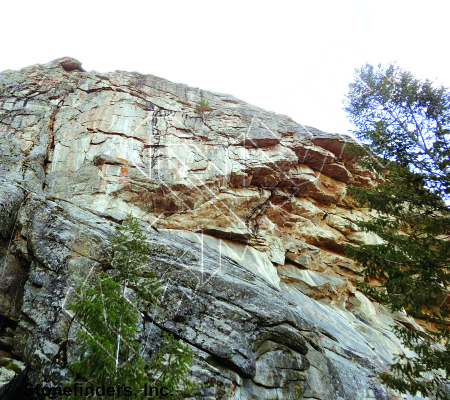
(246, 212)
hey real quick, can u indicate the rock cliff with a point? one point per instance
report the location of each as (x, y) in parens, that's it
(246, 212)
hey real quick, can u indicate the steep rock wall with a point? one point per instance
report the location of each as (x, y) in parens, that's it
(246, 212)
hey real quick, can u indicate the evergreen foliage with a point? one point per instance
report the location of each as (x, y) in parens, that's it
(405, 123)
(108, 312)
(169, 366)
(202, 107)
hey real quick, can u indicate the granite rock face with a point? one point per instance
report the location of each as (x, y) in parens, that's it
(246, 212)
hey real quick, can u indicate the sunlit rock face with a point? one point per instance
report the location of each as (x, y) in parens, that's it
(245, 210)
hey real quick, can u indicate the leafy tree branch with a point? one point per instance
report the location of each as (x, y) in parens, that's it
(405, 123)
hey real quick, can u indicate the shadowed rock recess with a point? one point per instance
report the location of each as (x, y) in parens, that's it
(246, 213)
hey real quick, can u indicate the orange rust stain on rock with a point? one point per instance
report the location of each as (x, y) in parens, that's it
(233, 388)
(123, 182)
(123, 170)
(81, 96)
(123, 160)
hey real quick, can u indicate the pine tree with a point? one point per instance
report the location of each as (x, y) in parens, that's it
(108, 313)
(202, 107)
(405, 123)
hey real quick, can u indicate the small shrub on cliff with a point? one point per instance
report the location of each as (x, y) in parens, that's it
(202, 107)
(108, 313)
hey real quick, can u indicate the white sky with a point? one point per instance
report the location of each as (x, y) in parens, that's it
(291, 57)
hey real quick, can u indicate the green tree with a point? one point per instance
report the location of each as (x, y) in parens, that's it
(405, 123)
(108, 313)
(202, 107)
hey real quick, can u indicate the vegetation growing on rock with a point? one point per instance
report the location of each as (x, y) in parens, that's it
(9, 364)
(108, 314)
(202, 107)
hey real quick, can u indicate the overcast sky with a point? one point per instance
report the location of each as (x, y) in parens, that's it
(292, 57)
